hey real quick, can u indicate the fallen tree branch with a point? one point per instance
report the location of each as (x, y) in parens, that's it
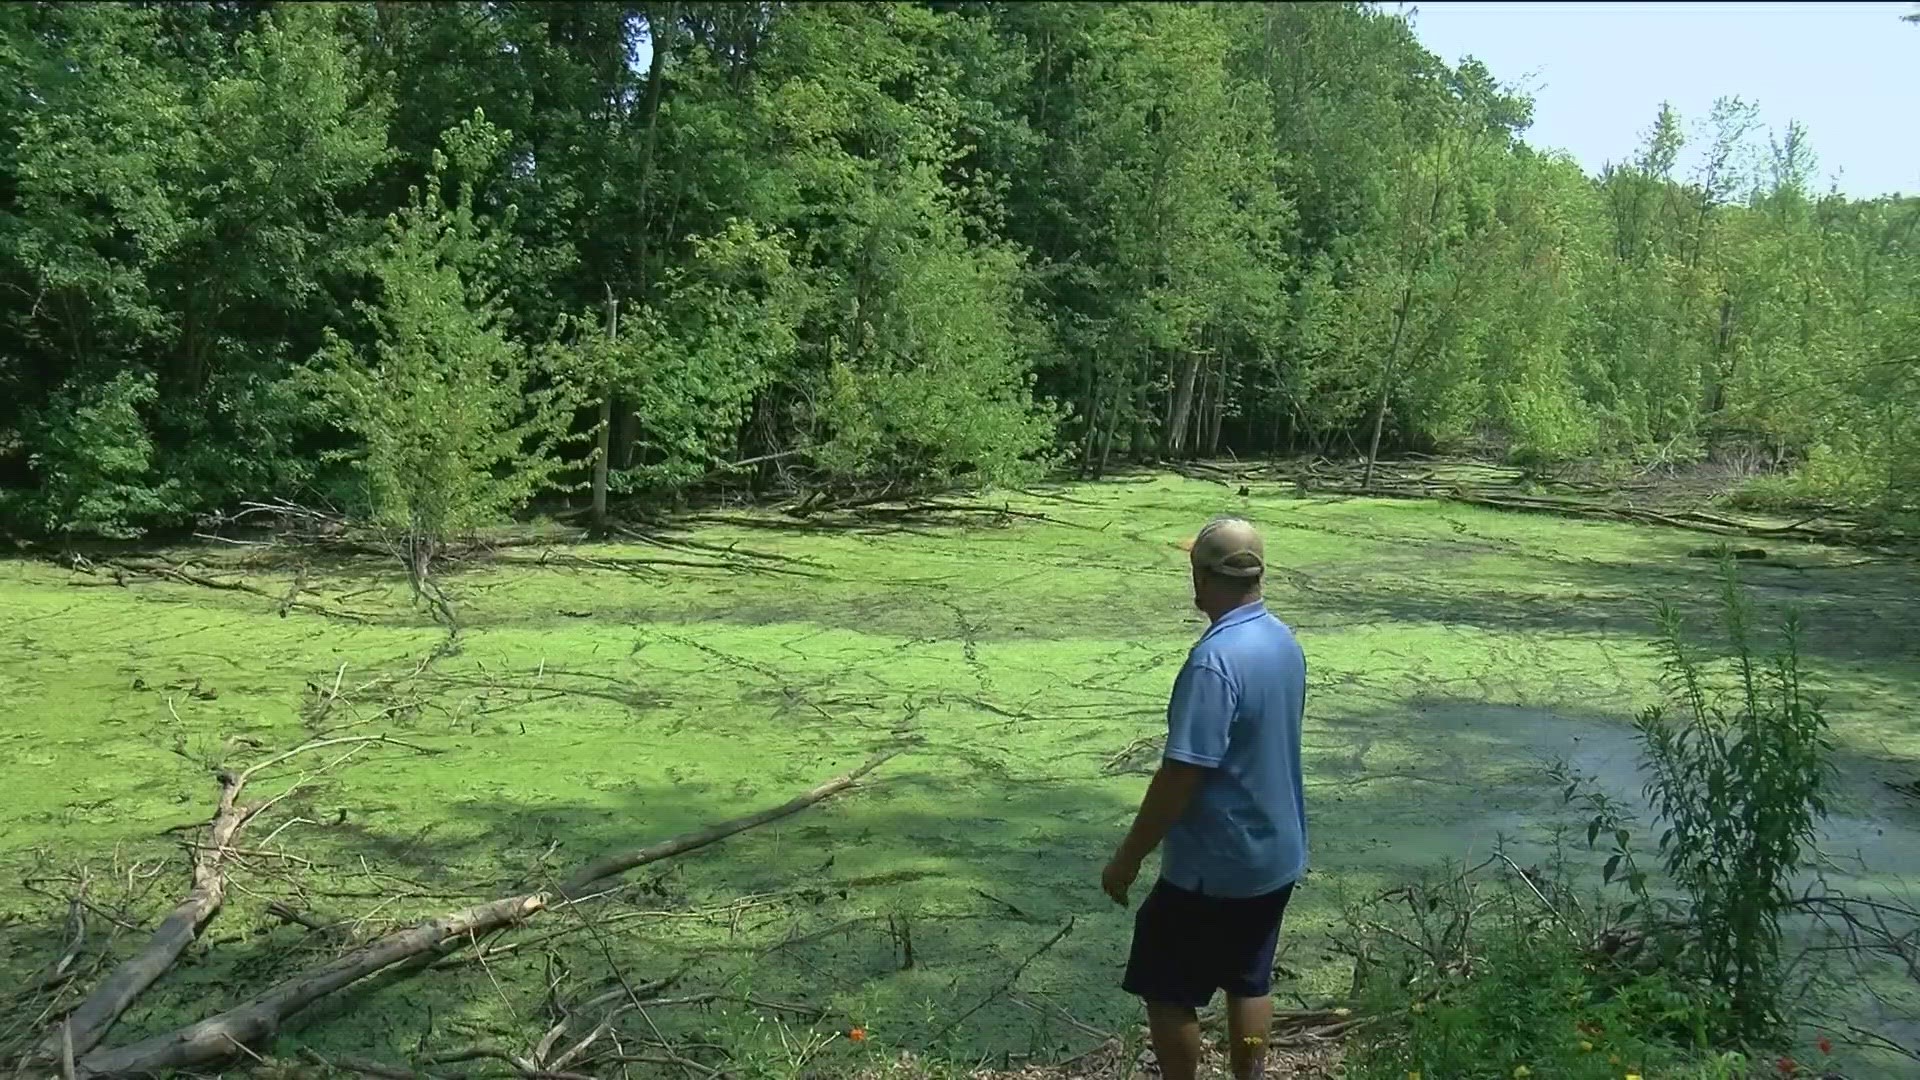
(1007, 985)
(282, 601)
(90, 1021)
(86, 1025)
(220, 1037)
(581, 883)
(215, 1038)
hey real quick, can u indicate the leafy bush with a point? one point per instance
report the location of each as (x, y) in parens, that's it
(932, 383)
(1738, 777)
(689, 363)
(94, 459)
(1464, 979)
(454, 433)
(1524, 979)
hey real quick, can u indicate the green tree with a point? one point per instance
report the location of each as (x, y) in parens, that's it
(453, 431)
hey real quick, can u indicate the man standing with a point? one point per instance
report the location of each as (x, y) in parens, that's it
(1227, 803)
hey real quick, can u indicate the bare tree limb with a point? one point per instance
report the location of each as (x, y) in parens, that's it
(581, 883)
(1007, 985)
(83, 1028)
(214, 1038)
(89, 1023)
(220, 1037)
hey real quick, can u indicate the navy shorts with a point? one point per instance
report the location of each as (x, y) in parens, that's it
(1187, 945)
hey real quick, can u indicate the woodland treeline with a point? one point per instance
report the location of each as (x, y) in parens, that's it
(428, 262)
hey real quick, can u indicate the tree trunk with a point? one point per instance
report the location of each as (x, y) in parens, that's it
(1113, 423)
(1182, 406)
(1386, 384)
(1723, 371)
(1218, 406)
(603, 447)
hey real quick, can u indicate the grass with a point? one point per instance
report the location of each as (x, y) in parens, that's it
(594, 703)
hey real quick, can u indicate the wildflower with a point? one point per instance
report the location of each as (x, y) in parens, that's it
(1343, 1011)
(1633, 1076)
(858, 1035)
(1825, 1044)
(1586, 1047)
(1521, 1071)
(1413, 1074)
(1419, 1006)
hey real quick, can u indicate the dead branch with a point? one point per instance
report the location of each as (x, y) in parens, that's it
(282, 601)
(61, 969)
(215, 1038)
(95, 1016)
(577, 888)
(364, 1066)
(219, 1037)
(83, 1028)
(1019, 970)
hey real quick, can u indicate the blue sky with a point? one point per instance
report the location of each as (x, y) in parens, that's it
(1849, 72)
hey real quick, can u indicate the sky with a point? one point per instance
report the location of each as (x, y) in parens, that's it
(1848, 72)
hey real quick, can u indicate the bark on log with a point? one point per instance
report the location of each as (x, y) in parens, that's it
(90, 1022)
(217, 1037)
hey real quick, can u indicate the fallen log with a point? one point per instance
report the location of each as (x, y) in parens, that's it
(83, 1028)
(86, 1025)
(225, 1035)
(218, 1037)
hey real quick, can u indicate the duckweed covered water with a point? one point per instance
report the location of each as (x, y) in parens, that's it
(593, 701)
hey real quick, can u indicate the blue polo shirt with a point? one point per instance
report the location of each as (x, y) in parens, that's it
(1236, 711)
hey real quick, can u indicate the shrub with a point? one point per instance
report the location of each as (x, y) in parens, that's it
(1475, 980)
(94, 460)
(1738, 774)
(454, 432)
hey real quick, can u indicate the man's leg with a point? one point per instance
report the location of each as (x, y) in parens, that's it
(1249, 1008)
(1248, 1021)
(1176, 1040)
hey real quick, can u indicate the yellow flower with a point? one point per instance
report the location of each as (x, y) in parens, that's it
(1419, 1006)
(1413, 1074)
(1586, 1047)
(1520, 1071)
(1633, 1076)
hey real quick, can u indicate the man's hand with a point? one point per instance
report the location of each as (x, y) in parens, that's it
(1118, 877)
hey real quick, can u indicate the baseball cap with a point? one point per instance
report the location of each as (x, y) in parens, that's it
(1228, 546)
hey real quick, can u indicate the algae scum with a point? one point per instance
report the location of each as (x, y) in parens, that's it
(605, 696)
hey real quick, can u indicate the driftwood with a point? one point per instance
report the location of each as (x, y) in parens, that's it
(221, 1037)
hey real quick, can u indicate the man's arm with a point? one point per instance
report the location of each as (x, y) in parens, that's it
(1166, 799)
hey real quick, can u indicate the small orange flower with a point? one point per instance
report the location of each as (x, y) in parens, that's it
(858, 1034)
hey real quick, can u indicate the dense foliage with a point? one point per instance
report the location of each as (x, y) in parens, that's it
(879, 247)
